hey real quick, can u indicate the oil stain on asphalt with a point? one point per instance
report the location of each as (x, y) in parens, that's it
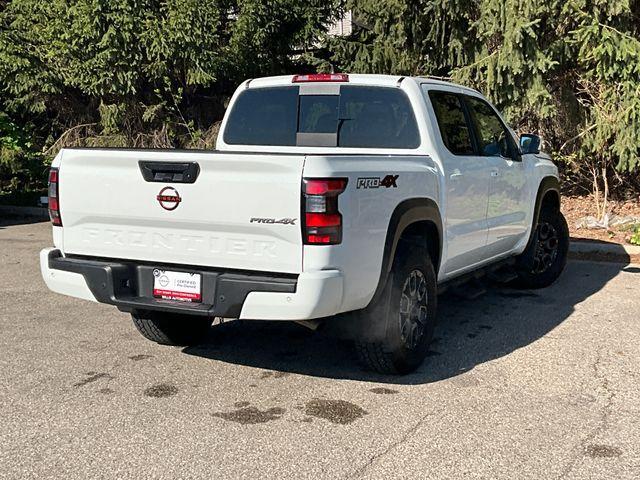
(335, 411)
(137, 358)
(383, 391)
(251, 415)
(602, 451)
(92, 377)
(161, 390)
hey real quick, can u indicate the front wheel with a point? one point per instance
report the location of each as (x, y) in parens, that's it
(171, 329)
(408, 315)
(546, 255)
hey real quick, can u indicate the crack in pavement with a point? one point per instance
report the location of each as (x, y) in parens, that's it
(579, 450)
(360, 471)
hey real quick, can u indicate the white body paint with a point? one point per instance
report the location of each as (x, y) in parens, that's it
(109, 211)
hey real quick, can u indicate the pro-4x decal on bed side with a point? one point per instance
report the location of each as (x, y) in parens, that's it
(376, 182)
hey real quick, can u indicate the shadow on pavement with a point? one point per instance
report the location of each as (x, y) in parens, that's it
(469, 332)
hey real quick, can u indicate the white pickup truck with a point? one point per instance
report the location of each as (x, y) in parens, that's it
(327, 194)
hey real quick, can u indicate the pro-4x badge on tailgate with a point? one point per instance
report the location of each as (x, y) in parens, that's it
(377, 182)
(169, 198)
(282, 221)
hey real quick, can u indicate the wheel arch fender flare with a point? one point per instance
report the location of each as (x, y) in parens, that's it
(405, 214)
(548, 185)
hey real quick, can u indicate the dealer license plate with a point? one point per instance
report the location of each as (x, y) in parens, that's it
(182, 286)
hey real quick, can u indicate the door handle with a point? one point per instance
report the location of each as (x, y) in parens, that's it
(455, 175)
(495, 173)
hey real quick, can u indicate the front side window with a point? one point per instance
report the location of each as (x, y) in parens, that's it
(359, 117)
(492, 136)
(452, 122)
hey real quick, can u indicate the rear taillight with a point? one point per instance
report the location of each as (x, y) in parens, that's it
(54, 197)
(322, 221)
(321, 77)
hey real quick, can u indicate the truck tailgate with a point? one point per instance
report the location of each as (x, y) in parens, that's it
(242, 212)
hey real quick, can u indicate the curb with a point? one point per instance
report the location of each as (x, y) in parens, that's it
(601, 247)
(37, 212)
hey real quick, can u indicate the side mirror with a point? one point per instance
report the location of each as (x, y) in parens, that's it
(530, 143)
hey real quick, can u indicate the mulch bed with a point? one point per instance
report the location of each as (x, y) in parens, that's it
(575, 208)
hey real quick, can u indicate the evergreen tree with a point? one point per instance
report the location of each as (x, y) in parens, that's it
(158, 72)
(408, 37)
(567, 70)
(135, 66)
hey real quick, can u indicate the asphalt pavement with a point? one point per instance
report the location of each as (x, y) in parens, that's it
(518, 385)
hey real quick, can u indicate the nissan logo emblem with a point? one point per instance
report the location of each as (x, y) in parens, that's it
(169, 198)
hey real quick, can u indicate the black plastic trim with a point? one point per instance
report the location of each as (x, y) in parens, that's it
(547, 184)
(406, 213)
(129, 285)
(169, 172)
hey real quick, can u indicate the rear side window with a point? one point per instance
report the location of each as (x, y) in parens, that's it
(363, 117)
(452, 122)
(493, 137)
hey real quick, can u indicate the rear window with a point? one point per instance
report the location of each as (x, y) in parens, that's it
(265, 116)
(363, 117)
(318, 114)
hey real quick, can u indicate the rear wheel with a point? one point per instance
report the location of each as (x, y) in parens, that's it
(408, 311)
(171, 329)
(546, 255)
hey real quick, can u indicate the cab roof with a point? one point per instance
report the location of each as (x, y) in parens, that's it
(355, 79)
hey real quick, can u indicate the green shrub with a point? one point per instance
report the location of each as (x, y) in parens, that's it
(20, 167)
(635, 237)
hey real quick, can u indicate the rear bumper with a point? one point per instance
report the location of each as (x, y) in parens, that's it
(128, 286)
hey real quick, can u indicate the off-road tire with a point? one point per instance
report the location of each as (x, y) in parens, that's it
(398, 352)
(171, 329)
(542, 263)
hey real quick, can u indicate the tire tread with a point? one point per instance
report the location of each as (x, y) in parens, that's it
(170, 329)
(373, 356)
(383, 355)
(149, 330)
(528, 280)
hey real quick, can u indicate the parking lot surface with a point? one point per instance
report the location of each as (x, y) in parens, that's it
(518, 384)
